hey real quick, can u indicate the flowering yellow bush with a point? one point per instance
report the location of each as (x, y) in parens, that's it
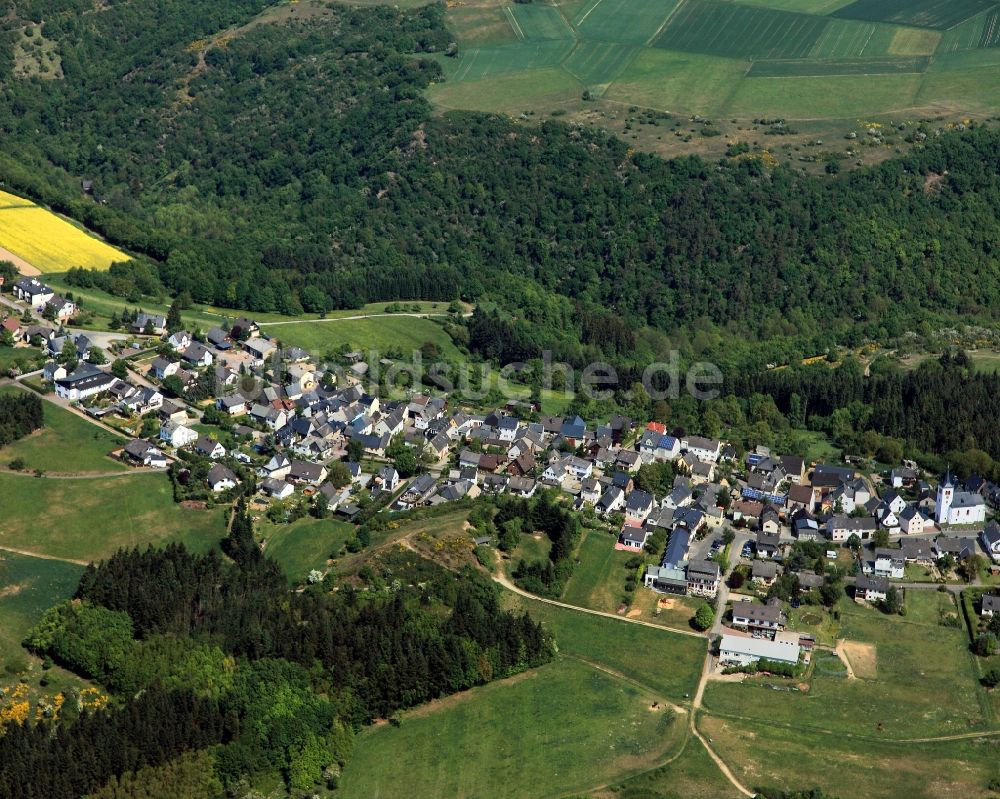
(15, 706)
(47, 242)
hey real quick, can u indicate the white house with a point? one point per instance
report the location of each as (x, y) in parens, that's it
(889, 563)
(991, 540)
(177, 434)
(179, 340)
(33, 292)
(221, 479)
(85, 381)
(704, 449)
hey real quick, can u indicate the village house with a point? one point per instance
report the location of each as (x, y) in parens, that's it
(768, 545)
(85, 381)
(149, 324)
(220, 478)
(889, 563)
(704, 449)
(142, 453)
(209, 448)
(989, 605)
(990, 536)
(764, 572)
(839, 528)
(33, 292)
(759, 619)
(277, 488)
(703, 578)
(638, 506)
(870, 588)
(632, 537)
(177, 435)
(307, 472)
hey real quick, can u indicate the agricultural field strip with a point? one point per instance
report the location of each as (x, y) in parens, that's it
(729, 30)
(817, 68)
(514, 23)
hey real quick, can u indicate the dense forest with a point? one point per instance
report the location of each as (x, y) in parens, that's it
(20, 414)
(296, 165)
(206, 654)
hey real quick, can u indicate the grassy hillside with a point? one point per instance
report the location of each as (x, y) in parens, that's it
(67, 444)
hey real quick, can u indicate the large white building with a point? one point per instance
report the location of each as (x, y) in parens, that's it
(736, 649)
(958, 507)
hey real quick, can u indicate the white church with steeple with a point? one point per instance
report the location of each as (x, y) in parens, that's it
(958, 507)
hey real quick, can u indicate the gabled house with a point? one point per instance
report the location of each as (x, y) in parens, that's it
(989, 605)
(704, 449)
(840, 528)
(197, 354)
(765, 619)
(142, 453)
(307, 472)
(764, 572)
(632, 537)
(387, 478)
(12, 326)
(889, 563)
(149, 324)
(179, 340)
(770, 521)
(244, 328)
(177, 434)
(277, 467)
(220, 478)
(144, 400)
(612, 501)
(276, 488)
(219, 339)
(210, 448)
(638, 506)
(768, 545)
(33, 292)
(703, 577)
(163, 368)
(990, 536)
(870, 588)
(958, 548)
(913, 522)
(85, 381)
(234, 404)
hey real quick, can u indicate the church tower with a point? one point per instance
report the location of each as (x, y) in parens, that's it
(945, 495)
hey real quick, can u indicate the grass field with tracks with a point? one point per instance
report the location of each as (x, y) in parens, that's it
(91, 517)
(566, 727)
(808, 60)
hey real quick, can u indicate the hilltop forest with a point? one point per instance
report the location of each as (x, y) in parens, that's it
(295, 165)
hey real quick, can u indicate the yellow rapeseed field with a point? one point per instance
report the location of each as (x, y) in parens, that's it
(47, 242)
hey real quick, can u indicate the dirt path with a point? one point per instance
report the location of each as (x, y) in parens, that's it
(40, 556)
(842, 654)
(83, 476)
(356, 317)
(502, 579)
(22, 266)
